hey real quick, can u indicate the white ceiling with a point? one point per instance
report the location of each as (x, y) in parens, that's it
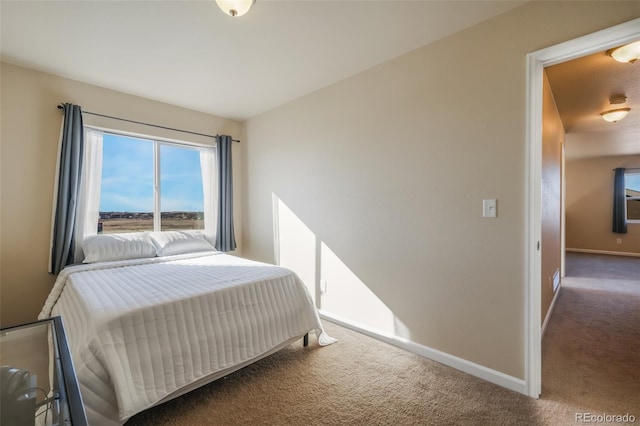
(189, 53)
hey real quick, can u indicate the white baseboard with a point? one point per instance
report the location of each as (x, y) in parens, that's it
(553, 303)
(611, 253)
(477, 370)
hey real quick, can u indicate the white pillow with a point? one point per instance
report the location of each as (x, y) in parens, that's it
(106, 247)
(177, 242)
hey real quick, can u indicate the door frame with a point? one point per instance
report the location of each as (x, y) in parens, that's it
(536, 61)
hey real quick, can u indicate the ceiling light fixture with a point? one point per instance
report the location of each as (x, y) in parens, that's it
(627, 53)
(614, 115)
(617, 114)
(235, 7)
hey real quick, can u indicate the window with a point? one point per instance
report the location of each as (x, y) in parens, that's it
(149, 185)
(181, 195)
(632, 192)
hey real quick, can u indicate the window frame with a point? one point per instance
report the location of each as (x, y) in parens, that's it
(157, 172)
(635, 172)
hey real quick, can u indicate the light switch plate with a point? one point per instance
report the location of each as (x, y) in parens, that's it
(489, 208)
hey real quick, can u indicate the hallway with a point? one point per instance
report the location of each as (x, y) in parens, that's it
(591, 348)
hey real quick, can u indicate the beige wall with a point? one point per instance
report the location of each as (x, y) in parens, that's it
(30, 131)
(552, 140)
(388, 169)
(589, 205)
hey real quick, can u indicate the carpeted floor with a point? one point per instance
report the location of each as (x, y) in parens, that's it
(591, 349)
(591, 363)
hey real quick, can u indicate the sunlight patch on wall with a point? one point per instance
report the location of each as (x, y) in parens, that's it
(334, 287)
(295, 244)
(345, 295)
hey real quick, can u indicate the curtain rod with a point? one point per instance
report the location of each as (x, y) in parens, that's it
(149, 124)
(628, 168)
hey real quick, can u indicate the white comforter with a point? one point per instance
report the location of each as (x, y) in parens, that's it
(141, 330)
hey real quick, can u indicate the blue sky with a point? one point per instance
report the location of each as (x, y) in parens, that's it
(632, 182)
(127, 176)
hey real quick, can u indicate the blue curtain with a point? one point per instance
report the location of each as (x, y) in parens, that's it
(225, 235)
(70, 168)
(619, 203)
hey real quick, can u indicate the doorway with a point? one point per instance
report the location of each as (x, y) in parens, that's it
(536, 61)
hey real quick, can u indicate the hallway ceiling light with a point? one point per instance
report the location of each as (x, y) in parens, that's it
(627, 53)
(235, 7)
(614, 115)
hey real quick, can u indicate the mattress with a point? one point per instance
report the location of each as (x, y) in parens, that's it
(143, 331)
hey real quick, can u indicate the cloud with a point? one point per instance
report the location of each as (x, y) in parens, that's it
(189, 204)
(115, 202)
(632, 182)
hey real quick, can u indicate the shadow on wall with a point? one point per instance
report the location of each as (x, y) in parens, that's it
(335, 289)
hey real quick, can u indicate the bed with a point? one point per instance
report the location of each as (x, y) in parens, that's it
(147, 329)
